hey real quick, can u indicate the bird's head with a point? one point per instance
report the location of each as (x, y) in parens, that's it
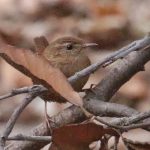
(66, 46)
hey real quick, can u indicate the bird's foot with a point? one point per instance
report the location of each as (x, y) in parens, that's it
(92, 120)
(48, 121)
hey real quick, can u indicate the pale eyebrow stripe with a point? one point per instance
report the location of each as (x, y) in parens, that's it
(65, 44)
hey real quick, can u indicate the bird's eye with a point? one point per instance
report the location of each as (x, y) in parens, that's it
(69, 47)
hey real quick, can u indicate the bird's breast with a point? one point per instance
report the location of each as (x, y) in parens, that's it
(70, 65)
(76, 65)
(73, 65)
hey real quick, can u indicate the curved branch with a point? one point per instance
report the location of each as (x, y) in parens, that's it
(121, 72)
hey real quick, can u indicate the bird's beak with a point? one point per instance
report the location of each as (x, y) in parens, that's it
(86, 45)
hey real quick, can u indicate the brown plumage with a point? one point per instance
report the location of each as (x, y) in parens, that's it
(67, 54)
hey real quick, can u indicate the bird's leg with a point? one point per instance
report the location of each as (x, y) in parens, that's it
(90, 117)
(48, 118)
(87, 114)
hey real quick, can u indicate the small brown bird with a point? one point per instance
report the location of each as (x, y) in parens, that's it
(67, 54)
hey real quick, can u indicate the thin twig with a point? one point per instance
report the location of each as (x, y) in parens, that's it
(12, 120)
(137, 118)
(134, 126)
(134, 46)
(127, 122)
(22, 90)
(122, 127)
(21, 137)
(107, 123)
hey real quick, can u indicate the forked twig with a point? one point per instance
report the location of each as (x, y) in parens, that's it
(12, 120)
(22, 90)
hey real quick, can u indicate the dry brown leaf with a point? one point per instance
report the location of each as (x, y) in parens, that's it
(79, 136)
(40, 71)
(137, 145)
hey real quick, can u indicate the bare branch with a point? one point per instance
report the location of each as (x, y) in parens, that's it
(22, 90)
(12, 120)
(21, 137)
(134, 46)
(121, 72)
(100, 108)
(134, 126)
(128, 123)
(70, 115)
(137, 118)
